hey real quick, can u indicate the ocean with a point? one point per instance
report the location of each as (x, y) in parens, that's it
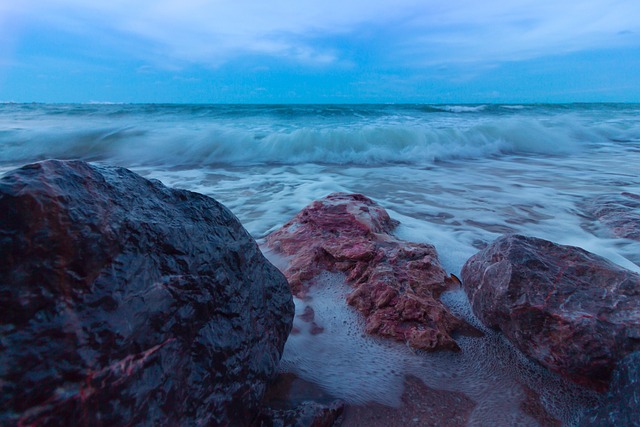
(455, 176)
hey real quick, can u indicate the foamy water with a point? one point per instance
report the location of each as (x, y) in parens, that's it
(359, 368)
(454, 176)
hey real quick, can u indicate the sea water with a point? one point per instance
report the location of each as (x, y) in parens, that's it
(455, 176)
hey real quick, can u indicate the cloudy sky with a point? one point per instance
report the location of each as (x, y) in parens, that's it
(238, 51)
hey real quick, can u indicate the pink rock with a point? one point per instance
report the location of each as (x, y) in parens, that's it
(574, 312)
(620, 213)
(308, 316)
(396, 284)
(419, 406)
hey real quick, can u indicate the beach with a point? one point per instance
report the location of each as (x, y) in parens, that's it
(454, 176)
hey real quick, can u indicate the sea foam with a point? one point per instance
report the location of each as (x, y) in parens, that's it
(358, 368)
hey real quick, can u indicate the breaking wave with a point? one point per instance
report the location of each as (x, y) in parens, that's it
(193, 138)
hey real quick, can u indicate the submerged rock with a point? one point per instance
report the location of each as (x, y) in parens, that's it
(420, 405)
(126, 302)
(396, 284)
(621, 406)
(574, 312)
(293, 402)
(620, 213)
(306, 414)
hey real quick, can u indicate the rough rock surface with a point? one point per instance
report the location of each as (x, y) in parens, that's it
(574, 312)
(396, 284)
(620, 213)
(126, 302)
(621, 406)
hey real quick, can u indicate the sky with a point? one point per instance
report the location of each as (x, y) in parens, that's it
(329, 51)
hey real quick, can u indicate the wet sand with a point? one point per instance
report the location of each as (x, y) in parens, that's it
(419, 406)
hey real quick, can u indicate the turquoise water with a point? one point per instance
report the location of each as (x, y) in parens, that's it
(202, 135)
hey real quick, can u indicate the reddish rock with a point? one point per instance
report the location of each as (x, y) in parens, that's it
(620, 213)
(125, 302)
(419, 406)
(308, 316)
(532, 406)
(574, 312)
(621, 405)
(396, 284)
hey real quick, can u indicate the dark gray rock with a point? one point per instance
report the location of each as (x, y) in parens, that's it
(574, 312)
(621, 406)
(126, 302)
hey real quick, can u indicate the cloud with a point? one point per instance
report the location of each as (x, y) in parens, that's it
(518, 30)
(404, 32)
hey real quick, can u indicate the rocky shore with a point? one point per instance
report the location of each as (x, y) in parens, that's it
(129, 303)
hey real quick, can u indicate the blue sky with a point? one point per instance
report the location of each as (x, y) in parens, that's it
(330, 51)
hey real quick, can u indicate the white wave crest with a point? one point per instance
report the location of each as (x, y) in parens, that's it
(461, 108)
(186, 142)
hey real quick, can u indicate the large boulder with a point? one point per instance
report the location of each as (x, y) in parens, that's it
(574, 312)
(125, 302)
(396, 284)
